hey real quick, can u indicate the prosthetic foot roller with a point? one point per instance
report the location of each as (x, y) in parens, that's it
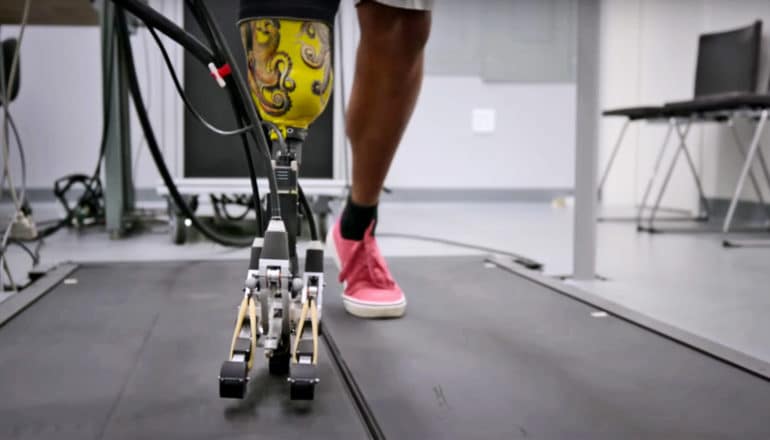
(290, 76)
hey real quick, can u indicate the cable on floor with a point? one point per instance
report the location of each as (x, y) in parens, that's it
(524, 261)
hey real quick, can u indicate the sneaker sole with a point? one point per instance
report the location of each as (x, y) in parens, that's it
(376, 310)
(363, 309)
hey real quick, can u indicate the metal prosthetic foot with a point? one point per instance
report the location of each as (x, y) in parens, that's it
(234, 374)
(303, 375)
(266, 298)
(284, 308)
(275, 283)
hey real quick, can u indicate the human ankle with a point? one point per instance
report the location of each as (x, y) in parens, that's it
(356, 219)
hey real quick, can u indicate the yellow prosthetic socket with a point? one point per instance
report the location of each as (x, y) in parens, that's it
(289, 69)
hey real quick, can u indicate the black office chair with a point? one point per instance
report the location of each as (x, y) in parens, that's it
(726, 107)
(726, 62)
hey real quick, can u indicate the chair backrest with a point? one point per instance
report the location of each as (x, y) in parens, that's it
(728, 61)
(9, 49)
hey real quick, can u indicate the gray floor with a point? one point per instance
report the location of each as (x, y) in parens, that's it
(132, 352)
(517, 360)
(688, 281)
(691, 282)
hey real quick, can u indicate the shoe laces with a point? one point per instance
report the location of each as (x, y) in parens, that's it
(373, 267)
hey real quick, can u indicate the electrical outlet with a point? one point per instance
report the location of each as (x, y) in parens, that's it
(483, 120)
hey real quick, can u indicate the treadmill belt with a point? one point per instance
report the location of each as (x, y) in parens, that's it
(132, 351)
(486, 354)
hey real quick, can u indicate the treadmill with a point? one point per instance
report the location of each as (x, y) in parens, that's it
(485, 351)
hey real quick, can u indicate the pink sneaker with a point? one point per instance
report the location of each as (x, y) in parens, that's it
(370, 291)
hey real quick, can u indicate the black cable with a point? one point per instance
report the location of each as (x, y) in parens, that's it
(243, 116)
(35, 255)
(204, 27)
(48, 222)
(226, 200)
(91, 201)
(242, 131)
(37, 248)
(215, 206)
(152, 143)
(254, 185)
(220, 207)
(183, 95)
(47, 232)
(247, 109)
(87, 198)
(156, 20)
(106, 115)
(107, 107)
(308, 213)
(305, 205)
(525, 261)
(90, 196)
(22, 157)
(146, 19)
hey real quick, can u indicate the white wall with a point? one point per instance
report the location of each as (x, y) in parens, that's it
(58, 110)
(647, 57)
(59, 114)
(533, 146)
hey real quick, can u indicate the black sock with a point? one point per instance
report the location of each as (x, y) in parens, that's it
(355, 219)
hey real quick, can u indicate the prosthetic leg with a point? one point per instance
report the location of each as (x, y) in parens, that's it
(290, 77)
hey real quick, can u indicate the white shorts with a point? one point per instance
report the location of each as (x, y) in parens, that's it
(420, 5)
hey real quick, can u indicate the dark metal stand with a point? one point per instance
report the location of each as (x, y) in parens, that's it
(119, 187)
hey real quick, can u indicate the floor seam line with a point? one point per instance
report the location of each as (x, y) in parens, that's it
(129, 376)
